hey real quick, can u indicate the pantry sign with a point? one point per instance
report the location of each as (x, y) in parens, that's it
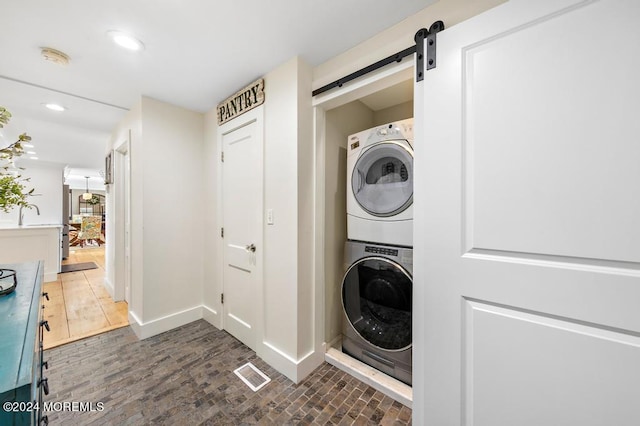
(242, 101)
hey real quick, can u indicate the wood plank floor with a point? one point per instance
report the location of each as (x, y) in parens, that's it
(79, 305)
(185, 377)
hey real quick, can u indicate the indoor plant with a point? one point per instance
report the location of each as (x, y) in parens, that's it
(13, 192)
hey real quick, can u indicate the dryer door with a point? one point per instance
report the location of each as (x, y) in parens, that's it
(382, 178)
(376, 297)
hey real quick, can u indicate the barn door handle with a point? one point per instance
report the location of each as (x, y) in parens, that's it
(251, 248)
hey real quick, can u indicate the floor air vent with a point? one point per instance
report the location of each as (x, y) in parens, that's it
(252, 377)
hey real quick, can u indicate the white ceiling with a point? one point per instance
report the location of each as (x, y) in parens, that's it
(197, 53)
(391, 96)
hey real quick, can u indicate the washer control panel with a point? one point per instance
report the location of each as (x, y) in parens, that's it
(381, 250)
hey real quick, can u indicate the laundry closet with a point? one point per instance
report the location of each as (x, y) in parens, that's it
(379, 110)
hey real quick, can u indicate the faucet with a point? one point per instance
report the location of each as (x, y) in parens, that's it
(21, 214)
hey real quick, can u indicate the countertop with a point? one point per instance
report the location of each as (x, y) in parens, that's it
(29, 226)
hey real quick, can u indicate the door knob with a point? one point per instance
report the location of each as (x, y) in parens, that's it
(251, 248)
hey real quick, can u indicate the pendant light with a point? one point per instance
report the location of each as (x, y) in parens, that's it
(87, 195)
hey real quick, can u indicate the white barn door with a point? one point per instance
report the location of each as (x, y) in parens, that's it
(527, 219)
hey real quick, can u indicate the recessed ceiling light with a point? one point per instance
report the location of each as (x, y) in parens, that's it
(27, 145)
(31, 152)
(55, 107)
(34, 158)
(126, 40)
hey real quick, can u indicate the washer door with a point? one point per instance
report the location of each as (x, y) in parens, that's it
(382, 178)
(376, 297)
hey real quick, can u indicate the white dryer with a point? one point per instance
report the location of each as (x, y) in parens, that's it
(380, 184)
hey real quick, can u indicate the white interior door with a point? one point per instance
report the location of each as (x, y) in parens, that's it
(242, 215)
(527, 230)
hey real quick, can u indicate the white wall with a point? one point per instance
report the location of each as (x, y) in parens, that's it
(166, 214)
(172, 142)
(281, 187)
(393, 113)
(309, 340)
(46, 180)
(289, 341)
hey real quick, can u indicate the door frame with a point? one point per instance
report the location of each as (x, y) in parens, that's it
(366, 85)
(122, 209)
(257, 115)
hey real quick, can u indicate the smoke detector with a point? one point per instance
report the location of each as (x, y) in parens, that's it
(54, 56)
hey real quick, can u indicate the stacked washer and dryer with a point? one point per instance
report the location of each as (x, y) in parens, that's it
(378, 285)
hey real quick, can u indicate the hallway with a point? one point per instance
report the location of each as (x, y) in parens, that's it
(185, 377)
(79, 305)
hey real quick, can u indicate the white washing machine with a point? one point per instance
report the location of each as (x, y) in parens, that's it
(380, 184)
(377, 304)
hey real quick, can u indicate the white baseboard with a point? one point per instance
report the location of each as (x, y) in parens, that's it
(109, 287)
(166, 323)
(135, 324)
(50, 276)
(211, 316)
(295, 370)
(310, 362)
(376, 379)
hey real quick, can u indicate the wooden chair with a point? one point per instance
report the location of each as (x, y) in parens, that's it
(90, 229)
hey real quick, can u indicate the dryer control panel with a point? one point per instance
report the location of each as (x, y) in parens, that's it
(399, 130)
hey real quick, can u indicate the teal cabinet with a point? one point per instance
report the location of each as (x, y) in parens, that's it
(22, 384)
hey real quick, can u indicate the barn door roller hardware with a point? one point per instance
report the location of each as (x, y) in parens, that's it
(430, 36)
(420, 36)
